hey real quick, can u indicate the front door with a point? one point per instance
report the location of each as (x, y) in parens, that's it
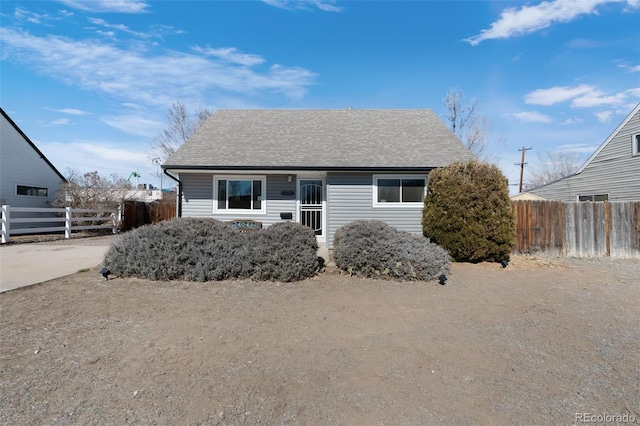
(311, 196)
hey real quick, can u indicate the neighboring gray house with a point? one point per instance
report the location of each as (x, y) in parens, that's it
(321, 168)
(27, 178)
(611, 173)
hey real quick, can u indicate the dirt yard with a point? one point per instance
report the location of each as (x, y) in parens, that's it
(535, 343)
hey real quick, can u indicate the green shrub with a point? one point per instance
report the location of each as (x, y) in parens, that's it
(467, 211)
(374, 249)
(201, 249)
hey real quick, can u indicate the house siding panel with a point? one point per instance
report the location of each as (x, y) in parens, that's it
(614, 171)
(197, 198)
(350, 198)
(20, 164)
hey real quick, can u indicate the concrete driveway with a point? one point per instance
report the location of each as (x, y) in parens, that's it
(26, 264)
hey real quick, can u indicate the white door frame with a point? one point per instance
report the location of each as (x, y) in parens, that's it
(322, 178)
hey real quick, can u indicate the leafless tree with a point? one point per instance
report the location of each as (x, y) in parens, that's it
(180, 127)
(91, 191)
(471, 127)
(553, 165)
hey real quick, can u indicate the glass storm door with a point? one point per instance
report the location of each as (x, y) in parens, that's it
(311, 194)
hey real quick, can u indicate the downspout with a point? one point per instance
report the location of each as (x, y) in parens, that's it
(179, 191)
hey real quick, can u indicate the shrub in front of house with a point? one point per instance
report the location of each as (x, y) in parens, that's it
(374, 249)
(284, 251)
(467, 211)
(202, 249)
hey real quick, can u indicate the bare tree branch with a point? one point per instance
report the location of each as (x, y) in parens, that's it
(91, 191)
(553, 165)
(472, 128)
(180, 127)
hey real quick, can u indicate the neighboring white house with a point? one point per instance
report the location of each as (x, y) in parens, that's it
(27, 178)
(611, 173)
(144, 192)
(321, 168)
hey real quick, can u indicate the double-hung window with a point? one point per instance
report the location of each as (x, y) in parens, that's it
(636, 144)
(390, 191)
(239, 194)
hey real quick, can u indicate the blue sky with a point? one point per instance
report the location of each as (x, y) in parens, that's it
(89, 81)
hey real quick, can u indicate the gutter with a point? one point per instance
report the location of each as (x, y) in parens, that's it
(179, 190)
(305, 168)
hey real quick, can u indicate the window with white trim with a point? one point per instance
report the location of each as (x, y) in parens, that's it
(240, 194)
(594, 197)
(33, 191)
(394, 191)
(635, 140)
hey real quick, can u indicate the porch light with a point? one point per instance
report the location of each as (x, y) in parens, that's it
(289, 178)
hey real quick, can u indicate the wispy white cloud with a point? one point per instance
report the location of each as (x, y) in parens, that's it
(325, 5)
(630, 68)
(61, 121)
(135, 125)
(102, 156)
(581, 148)
(70, 111)
(556, 94)
(137, 76)
(120, 6)
(23, 15)
(532, 117)
(154, 31)
(604, 116)
(581, 96)
(635, 92)
(596, 98)
(570, 121)
(230, 54)
(515, 22)
(120, 27)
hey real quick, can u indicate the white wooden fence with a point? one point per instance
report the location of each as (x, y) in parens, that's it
(44, 220)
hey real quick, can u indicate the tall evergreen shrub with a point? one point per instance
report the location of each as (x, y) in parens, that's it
(467, 211)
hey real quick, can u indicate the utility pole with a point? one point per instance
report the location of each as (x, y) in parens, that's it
(521, 164)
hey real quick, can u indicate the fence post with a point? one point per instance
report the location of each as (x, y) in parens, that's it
(67, 222)
(6, 229)
(114, 219)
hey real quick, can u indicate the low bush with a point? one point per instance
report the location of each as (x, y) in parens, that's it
(284, 251)
(374, 249)
(201, 249)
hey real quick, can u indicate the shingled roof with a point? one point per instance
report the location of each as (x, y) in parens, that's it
(320, 139)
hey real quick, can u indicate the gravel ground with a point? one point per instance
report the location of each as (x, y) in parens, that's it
(535, 343)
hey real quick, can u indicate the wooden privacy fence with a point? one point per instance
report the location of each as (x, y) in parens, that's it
(37, 220)
(580, 229)
(137, 213)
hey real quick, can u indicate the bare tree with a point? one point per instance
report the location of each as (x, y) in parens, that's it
(466, 122)
(180, 127)
(91, 191)
(554, 165)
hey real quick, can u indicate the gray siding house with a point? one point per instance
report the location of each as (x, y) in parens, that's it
(27, 178)
(611, 173)
(321, 168)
